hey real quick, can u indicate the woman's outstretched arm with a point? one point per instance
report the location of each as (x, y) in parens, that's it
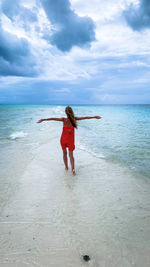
(88, 117)
(51, 119)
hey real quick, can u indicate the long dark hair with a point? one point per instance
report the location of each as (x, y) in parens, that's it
(71, 116)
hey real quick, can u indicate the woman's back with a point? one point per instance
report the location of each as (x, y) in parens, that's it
(67, 123)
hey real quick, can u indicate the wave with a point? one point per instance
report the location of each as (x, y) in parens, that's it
(91, 152)
(17, 135)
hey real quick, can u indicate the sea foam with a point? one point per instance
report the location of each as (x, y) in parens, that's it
(17, 135)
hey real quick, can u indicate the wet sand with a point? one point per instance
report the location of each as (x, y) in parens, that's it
(53, 218)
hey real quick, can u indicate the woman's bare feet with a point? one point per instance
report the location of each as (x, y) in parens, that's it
(66, 168)
(73, 171)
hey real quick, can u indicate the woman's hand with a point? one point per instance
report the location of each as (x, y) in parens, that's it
(98, 117)
(40, 121)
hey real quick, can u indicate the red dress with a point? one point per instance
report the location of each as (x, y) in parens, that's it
(67, 138)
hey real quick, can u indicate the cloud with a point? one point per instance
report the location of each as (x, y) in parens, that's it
(138, 17)
(70, 29)
(15, 56)
(14, 10)
(10, 8)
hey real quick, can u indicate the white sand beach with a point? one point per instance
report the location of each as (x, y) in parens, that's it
(52, 219)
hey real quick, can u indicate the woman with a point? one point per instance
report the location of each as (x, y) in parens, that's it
(67, 137)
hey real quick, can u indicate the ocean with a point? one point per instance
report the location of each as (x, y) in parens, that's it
(122, 136)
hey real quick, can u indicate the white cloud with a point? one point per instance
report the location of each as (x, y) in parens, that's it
(114, 38)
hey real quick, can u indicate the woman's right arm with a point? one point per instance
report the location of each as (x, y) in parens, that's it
(50, 119)
(88, 117)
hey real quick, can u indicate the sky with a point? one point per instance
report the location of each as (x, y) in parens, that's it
(75, 52)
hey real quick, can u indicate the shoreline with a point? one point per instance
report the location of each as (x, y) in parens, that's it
(54, 218)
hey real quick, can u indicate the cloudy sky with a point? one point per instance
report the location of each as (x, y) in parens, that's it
(74, 51)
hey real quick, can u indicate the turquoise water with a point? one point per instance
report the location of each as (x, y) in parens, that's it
(122, 135)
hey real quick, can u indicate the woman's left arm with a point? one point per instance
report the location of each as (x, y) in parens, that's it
(87, 118)
(50, 119)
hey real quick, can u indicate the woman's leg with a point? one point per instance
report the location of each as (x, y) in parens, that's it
(65, 158)
(72, 161)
